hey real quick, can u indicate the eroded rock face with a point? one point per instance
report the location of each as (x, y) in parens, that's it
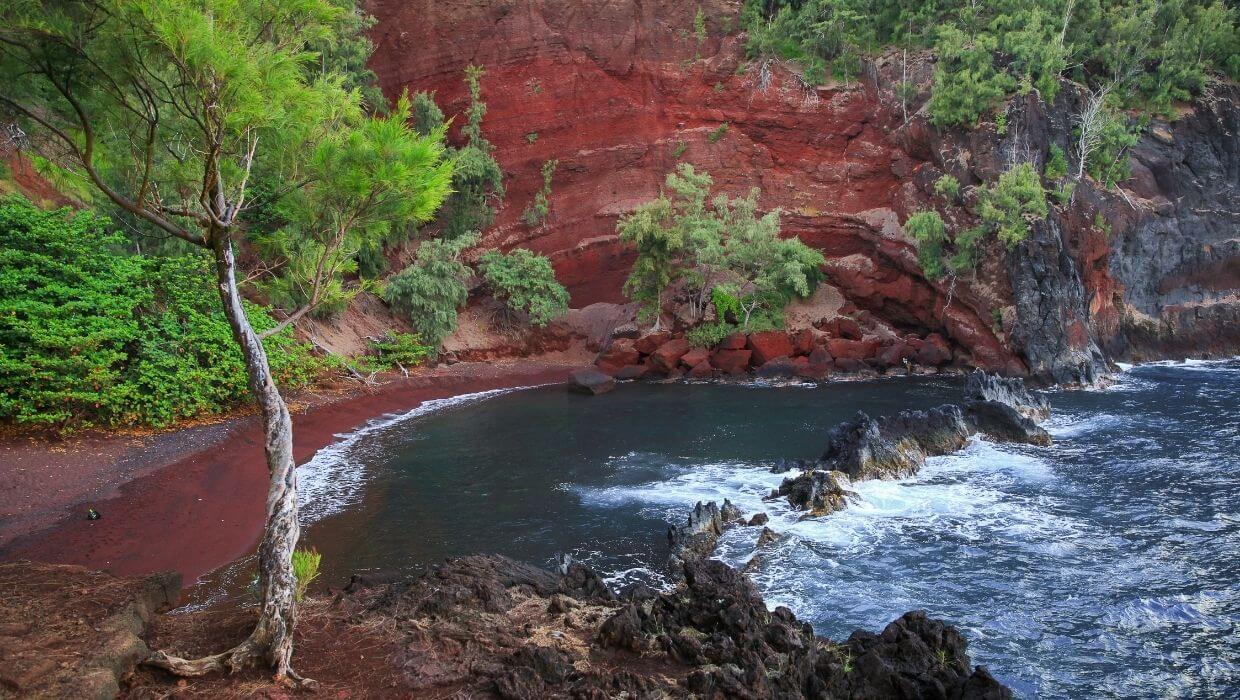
(1176, 257)
(621, 91)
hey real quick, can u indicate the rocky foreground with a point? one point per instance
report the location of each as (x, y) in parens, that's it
(487, 626)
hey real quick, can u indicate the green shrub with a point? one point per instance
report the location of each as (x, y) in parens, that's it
(426, 114)
(403, 349)
(1109, 163)
(966, 243)
(525, 282)
(306, 568)
(717, 133)
(679, 149)
(699, 26)
(708, 335)
(947, 187)
(1005, 207)
(1056, 164)
(536, 213)
(928, 229)
(432, 289)
(92, 337)
(966, 82)
(477, 179)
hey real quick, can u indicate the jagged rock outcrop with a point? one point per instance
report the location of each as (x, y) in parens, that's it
(697, 537)
(1000, 421)
(982, 386)
(718, 625)
(490, 626)
(893, 446)
(817, 491)
(1004, 410)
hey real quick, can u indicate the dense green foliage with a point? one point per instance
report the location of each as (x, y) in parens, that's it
(89, 336)
(536, 213)
(205, 122)
(525, 282)
(1006, 207)
(1162, 48)
(715, 251)
(433, 287)
(365, 184)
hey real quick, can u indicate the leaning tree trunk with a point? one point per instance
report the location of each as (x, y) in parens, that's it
(272, 638)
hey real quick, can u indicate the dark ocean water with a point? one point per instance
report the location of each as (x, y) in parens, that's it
(1105, 566)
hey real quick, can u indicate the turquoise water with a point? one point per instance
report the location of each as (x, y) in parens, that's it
(1105, 566)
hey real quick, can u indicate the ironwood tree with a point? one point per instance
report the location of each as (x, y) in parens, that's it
(168, 107)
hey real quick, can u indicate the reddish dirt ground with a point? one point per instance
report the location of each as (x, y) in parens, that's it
(193, 502)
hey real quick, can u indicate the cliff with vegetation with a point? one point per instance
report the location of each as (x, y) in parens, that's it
(620, 93)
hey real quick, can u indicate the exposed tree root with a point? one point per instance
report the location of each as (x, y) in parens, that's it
(242, 656)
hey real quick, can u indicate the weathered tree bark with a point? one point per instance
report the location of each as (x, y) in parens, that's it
(272, 638)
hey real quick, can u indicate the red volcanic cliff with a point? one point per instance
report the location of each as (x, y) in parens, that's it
(616, 90)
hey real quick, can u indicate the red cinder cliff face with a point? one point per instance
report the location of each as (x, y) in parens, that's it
(620, 91)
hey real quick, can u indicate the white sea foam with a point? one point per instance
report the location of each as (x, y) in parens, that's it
(1068, 426)
(336, 476)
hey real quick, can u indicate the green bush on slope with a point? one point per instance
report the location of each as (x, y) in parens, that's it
(89, 336)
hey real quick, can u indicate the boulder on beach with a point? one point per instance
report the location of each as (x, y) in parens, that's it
(591, 381)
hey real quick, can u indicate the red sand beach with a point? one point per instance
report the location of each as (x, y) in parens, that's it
(193, 504)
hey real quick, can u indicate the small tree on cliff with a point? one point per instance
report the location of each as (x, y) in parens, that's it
(721, 251)
(166, 106)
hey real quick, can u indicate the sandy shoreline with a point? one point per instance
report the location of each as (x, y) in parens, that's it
(193, 500)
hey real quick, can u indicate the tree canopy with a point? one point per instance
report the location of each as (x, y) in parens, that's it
(1164, 49)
